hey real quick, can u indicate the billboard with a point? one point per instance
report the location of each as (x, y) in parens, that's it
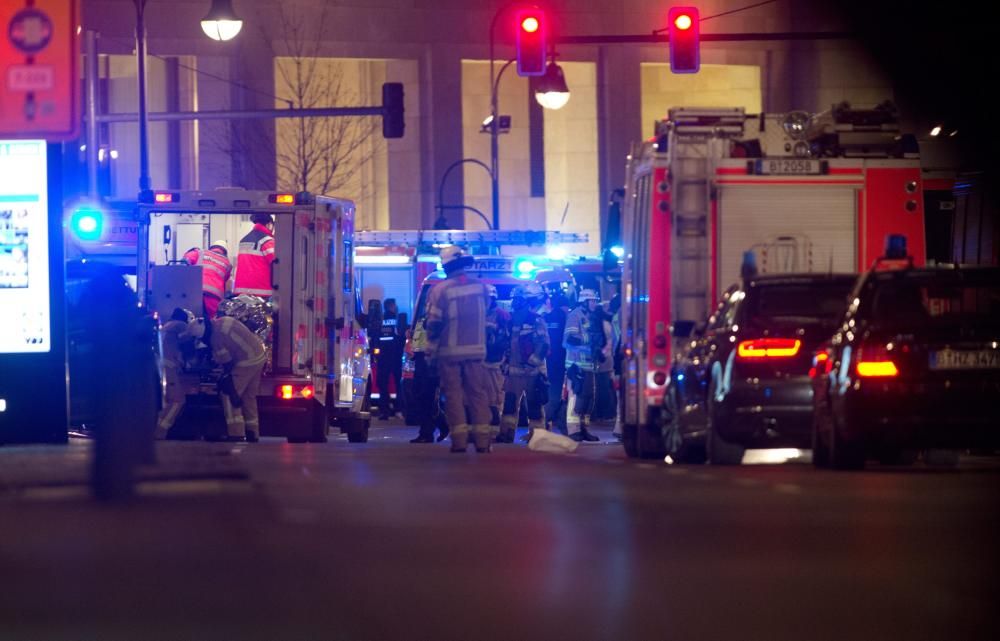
(25, 323)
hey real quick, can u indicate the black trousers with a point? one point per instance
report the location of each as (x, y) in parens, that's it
(389, 368)
(427, 396)
(554, 410)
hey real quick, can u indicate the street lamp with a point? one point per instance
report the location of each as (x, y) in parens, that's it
(221, 22)
(556, 94)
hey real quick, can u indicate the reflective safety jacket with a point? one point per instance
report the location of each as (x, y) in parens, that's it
(234, 344)
(253, 265)
(497, 335)
(577, 340)
(456, 318)
(215, 270)
(529, 343)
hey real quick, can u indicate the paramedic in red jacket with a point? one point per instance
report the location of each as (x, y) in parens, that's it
(215, 272)
(253, 265)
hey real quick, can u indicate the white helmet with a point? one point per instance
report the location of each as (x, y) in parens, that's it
(195, 328)
(454, 257)
(491, 291)
(220, 243)
(588, 294)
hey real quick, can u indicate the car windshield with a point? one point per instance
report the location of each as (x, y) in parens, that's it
(817, 302)
(950, 300)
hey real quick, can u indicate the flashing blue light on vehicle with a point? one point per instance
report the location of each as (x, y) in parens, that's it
(618, 251)
(87, 223)
(680, 377)
(557, 252)
(524, 267)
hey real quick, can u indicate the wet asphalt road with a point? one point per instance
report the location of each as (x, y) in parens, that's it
(389, 540)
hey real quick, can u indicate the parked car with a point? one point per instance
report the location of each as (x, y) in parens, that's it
(742, 380)
(914, 365)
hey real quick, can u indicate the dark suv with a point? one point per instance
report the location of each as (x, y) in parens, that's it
(914, 365)
(743, 380)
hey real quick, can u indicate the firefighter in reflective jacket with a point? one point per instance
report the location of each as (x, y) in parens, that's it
(497, 344)
(172, 334)
(529, 345)
(456, 333)
(215, 273)
(241, 354)
(253, 265)
(582, 364)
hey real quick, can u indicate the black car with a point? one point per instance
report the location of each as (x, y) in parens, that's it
(743, 380)
(914, 365)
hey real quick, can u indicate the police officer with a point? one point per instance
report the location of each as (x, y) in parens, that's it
(216, 269)
(390, 360)
(581, 365)
(253, 265)
(529, 345)
(456, 332)
(497, 344)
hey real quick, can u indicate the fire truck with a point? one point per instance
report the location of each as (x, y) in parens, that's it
(791, 192)
(318, 363)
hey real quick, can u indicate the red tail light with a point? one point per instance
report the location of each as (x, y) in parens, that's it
(876, 362)
(307, 391)
(290, 392)
(286, 392)
(769, 348)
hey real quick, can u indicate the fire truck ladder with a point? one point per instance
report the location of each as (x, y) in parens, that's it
(697, 138)
(417, 237)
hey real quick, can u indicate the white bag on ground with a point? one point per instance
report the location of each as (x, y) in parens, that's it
(546, 441)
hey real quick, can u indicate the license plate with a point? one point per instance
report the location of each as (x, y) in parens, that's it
(965, 359)
(788, 167)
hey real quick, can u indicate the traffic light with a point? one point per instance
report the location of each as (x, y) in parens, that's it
(392, 110)
(87, 223)
(532, 42)
(685, 33)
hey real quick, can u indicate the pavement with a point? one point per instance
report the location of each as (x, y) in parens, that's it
(388, 540)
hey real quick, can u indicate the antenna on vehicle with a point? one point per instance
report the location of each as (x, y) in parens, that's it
(565, 211)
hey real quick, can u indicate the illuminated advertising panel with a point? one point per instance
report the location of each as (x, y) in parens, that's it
(25, 323)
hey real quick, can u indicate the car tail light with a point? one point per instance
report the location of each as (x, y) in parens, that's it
(282, 199)
(876, 362)
(769, 348)
(291, 392)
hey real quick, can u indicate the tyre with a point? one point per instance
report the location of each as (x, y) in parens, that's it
(719, 450)
(650, 441)
(319, 423)
(630, 440)
(358, 434)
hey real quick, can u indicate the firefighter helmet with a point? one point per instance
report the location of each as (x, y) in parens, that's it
(454, 257)
(491, 291)
(221, 244)
(588, 294)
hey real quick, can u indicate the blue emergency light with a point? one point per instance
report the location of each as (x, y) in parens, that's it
(87, 223)
(524, 267)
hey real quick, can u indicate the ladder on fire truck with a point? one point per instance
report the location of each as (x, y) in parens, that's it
(696, 137)
(418, 237)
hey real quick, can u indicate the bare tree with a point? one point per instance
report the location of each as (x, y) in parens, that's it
(320, 155)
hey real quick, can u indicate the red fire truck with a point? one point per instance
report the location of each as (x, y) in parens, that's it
(802, 192)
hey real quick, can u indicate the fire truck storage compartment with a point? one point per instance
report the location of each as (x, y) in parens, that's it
(789, 229)
(173, 286)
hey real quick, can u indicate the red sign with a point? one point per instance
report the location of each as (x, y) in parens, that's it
(39, 81)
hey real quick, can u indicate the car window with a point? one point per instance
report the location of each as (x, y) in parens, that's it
(822, 302)
(945, 300)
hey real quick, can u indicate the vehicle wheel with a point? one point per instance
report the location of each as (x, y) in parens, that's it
(630, 439)
(359, 435)
(719, 450)
(941, 458)
(650, 441)
(845, 455)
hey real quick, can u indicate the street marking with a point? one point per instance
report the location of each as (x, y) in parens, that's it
(787, 488)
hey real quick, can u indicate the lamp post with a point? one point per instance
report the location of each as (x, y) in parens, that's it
(556, 94)
(221, 23)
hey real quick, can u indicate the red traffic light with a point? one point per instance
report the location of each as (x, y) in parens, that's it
(532, 42)
(685, 36)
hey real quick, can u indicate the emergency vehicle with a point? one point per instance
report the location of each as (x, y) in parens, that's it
(318, 365)
(802, 192)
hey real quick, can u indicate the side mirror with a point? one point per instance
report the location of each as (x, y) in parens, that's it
(683, 328)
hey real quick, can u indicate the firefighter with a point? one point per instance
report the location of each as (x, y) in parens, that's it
(555, 362)
(216, 271)
(389, 360)
(580, 340)
(456, 332)
(173, 334)
(253, 265)
(241, 354)
(497, 343)
(529, 345)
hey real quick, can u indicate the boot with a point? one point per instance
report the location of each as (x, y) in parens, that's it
(459, 440)
(481, 435)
